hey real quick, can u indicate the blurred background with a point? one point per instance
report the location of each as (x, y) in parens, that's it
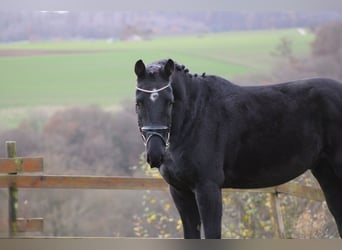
(67, 93)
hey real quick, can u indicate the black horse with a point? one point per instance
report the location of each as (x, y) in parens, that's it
(204, 133)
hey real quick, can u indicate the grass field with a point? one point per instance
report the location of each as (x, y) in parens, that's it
(105, 76)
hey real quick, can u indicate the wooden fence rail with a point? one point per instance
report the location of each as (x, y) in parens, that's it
(11, 177)
(133, 183)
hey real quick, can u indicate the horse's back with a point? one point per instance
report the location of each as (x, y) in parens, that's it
(281, 130)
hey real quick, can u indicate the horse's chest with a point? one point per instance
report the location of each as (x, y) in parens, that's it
(178, 175)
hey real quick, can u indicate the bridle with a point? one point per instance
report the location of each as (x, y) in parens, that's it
(147, 132)
(154, 90)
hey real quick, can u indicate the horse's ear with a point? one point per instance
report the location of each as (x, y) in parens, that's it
(140, 68)
(169, 67)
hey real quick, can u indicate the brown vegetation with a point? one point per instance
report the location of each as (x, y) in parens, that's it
(80, 141)
(325, 59)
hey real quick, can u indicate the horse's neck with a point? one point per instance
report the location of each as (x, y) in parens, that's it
(194, 92)
(187, 104)
(186, 89)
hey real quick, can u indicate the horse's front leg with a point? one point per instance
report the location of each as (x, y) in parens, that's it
(187, 207)
(209, 202)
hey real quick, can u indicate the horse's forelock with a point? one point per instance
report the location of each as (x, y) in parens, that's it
(158, 67)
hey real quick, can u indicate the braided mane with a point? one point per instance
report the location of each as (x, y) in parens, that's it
(155, 67)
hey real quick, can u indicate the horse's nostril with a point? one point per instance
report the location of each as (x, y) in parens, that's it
(155, 160)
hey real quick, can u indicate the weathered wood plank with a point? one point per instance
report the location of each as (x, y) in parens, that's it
(83, 182)
(301, 191)
(131, 183)
(254, 190)
(277, 217)
(12, 193)
(30, 225)
(21, 164)
(27, 225)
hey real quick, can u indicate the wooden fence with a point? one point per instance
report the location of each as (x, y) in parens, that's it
(13, 175)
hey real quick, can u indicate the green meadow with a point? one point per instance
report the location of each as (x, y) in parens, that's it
(101, 72)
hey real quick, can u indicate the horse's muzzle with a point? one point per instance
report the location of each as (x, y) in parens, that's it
(155, 151)
(156, 140)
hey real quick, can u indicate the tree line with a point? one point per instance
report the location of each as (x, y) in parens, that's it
(45, 25)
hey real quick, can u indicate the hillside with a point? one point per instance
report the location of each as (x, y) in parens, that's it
(101, 72)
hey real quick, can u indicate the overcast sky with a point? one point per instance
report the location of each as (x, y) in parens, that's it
(252, 5)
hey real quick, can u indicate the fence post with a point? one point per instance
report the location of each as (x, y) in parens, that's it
(12, 193)
(277, 217)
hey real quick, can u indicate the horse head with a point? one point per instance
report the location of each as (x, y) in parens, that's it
(154, 100)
